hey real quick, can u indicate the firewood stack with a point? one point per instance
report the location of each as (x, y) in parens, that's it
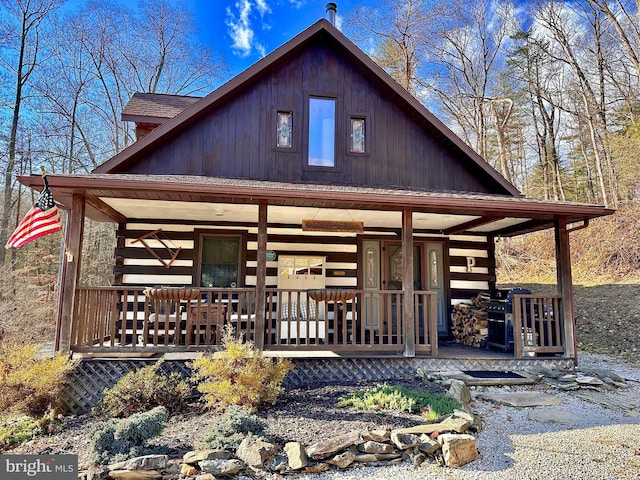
(469, 324)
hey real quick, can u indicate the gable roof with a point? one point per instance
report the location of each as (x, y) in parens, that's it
(155, 107)
(373, 71)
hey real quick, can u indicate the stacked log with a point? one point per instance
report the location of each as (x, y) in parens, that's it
(469, 324)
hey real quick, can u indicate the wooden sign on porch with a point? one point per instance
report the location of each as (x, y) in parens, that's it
(332, 226)
(162, 239)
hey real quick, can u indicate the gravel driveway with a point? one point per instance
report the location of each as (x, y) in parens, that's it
(593, 442)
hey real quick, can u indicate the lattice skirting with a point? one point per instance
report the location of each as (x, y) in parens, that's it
(92, 376)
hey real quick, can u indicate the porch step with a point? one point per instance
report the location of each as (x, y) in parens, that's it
(489, 378)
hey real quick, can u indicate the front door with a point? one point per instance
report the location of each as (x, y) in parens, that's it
(428, 273)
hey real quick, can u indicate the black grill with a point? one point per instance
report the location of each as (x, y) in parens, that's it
(500, 317)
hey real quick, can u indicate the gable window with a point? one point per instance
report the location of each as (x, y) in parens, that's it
(220, 257)
(322, 132)
(284, 129)
(357, 135)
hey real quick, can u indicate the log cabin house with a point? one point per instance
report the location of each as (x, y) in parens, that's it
(316, 207)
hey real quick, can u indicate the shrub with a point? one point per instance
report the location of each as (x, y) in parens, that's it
(30, 384)
(385, 397)
(16, 431)
(239, 375)
(117, 440)
(227, 432)
(143, 389)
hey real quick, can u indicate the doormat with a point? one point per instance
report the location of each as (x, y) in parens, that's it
(491, 374)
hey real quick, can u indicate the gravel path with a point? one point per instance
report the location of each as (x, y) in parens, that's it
(599, 443)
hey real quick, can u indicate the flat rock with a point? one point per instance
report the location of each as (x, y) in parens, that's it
(331, 446)
(377, 435)
(376, 457)
(342, 460)
(375, 447)
(196, 456)
(555, 416)
(588, 380)
(404, 440)
(521, 399)
(135, 475)
(146, 462)
(221, 467)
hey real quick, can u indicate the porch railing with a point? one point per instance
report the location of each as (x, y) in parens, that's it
(355, 321)
(538, 326)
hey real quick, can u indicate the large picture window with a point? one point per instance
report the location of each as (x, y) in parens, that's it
(220, 261)
(322, 132)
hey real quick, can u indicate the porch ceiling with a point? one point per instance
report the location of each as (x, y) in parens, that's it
(120, 198)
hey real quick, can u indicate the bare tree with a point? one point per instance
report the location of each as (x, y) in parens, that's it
(562, 24)
(27, 17)
(398, 31)
(466, 52)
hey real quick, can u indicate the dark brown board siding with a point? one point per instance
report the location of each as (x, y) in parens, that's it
(236, 138)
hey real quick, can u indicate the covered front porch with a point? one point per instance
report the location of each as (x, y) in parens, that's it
(135, 321)
(392, 263)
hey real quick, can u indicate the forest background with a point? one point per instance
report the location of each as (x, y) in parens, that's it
(546, 91)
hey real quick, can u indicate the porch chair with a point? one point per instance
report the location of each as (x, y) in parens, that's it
(304, 321)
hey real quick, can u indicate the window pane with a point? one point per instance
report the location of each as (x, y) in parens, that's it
(285, 123)
(322, 132)
(357, 135)
(220, 257)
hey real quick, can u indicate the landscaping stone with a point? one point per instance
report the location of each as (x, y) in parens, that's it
(188, 470)
(428, 445)
(296, 455)
(375, 447)
(376, 457)
(458, 449)
(205, 476)
(377, 435)
(256, 452)
(404, 440)
(146, 462)
(221, 467)
(332, 446)
(342, 460)
(417, 459)
(459, 391)
(198, 455)
(521, 399)
(135, 475)
(555, 416)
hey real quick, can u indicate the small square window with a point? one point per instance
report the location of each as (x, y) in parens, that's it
(357, 135)
(284, 129)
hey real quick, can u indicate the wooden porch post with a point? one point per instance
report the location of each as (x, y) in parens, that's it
(565, 287)
(261, 276)
(408, 323)
(71, 273)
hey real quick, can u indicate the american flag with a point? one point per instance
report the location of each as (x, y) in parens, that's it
(42, 219)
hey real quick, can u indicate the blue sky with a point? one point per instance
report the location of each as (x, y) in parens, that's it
(246, 30)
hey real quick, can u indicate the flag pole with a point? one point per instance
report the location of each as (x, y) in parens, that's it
(68, 254)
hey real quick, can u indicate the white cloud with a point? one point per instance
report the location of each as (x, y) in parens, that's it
(240, 25)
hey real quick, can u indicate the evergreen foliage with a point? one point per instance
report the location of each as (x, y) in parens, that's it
(398, 398)
(143, 389)
(30, 384)
(228, 431)
(239, 375)
(116, 440)
(16, 431)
